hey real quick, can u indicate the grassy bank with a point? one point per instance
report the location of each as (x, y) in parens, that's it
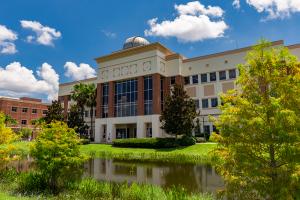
(198, 153)
(15, 187)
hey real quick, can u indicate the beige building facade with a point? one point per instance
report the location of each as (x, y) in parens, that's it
(133, 82)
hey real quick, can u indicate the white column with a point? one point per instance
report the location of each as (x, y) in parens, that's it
(156, 131)
(98, 134)
(140, 129)
(111, 132)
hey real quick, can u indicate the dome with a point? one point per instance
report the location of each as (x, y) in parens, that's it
(135, 42)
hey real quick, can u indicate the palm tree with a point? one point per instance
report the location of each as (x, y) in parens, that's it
(79, 95)
(91, 102)
(85, 95)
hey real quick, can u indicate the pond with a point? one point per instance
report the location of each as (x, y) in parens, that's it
(192, 177)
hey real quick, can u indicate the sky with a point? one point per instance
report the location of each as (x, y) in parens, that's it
(44, 43)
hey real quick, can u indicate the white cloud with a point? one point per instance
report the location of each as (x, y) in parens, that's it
(83, 71)
(236, 4)
(43, 34)
(7, 37)
(17, 80)
(109, 34)
(194, 22)
(276, 8)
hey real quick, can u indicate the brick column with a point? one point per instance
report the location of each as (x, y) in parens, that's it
(99, 100)
(66, 100)
(140, 98)
(167, 86)
(156, 94)
(111, 98)
(179, 80)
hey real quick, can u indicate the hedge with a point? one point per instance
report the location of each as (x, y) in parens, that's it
(154, 143)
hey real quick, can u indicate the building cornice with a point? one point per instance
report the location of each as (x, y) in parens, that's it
(234, 51)
(80, 81)
(133, 51)
(294, 46)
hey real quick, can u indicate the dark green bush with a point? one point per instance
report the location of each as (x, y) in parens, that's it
(85, 141)
(154, 143)
(187, 141)
(31, 183)
(146, 142)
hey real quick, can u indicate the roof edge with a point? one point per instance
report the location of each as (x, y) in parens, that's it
(79, 81)
(277, 42)
(132, 51)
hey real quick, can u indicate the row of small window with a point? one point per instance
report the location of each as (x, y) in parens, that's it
(212, 77)
(25, 110)
(207, 103)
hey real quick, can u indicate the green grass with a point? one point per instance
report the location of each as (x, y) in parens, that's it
(198, 153)
(4, 196)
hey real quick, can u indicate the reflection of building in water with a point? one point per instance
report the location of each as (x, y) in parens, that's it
(200, 178)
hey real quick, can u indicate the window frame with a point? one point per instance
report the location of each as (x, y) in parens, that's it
(210, 75)
(206, 78)
(221, 78)
(202, 100)
(229, 74)
(195, 79)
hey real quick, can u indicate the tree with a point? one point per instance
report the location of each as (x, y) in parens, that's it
(10, 121)
(75, 121)
(91, 103)
(260, 125)
(7, 136)
(54, 112)
(179, 112)
(85, 95)
(56, 153)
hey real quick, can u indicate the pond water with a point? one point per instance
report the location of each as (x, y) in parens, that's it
(193, 177)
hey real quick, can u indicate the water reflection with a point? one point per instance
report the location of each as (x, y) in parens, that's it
(195, 178)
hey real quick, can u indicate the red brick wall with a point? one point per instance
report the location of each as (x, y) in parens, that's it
(7, 104)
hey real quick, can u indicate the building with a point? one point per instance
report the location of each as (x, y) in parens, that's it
(133, 82)
(23, 110)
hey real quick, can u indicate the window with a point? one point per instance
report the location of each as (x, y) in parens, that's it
(34, 111)
(24, 110)
(173, 80)
(197, 103)
(206, 129)
(195, 79)
(203, 78)
(214, 102)
(44, 112)
(222, 75)
(204, 103)
(148, 95)
(105, 100)
(14, 109)
(24, 122)
(186, 80)
(86, 113)
(126, 98)
(213, 76)
(232, 73)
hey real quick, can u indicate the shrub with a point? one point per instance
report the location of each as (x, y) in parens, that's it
(85, 141)
(57, 156)
(25, 133)
(146, 142)
(187, 141)
(154, 143)
(214, 137)
(31, 183)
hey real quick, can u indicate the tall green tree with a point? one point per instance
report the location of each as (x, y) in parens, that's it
(85, 95)
(179, 112)
(54, 112)
(75, 120)
(10, 121)
(259, 141)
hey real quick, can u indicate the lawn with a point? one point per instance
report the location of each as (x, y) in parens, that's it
(198, 153)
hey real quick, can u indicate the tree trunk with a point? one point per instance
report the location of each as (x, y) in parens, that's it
(91, 114)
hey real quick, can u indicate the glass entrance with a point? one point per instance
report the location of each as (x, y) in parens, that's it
(122, 133)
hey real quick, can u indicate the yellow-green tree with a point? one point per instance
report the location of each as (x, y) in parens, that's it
(7, 136)
(259, 141)
(56, 153)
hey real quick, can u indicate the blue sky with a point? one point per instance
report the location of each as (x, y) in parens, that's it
(83, 30)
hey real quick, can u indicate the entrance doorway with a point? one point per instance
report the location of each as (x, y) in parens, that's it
(125, 131)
